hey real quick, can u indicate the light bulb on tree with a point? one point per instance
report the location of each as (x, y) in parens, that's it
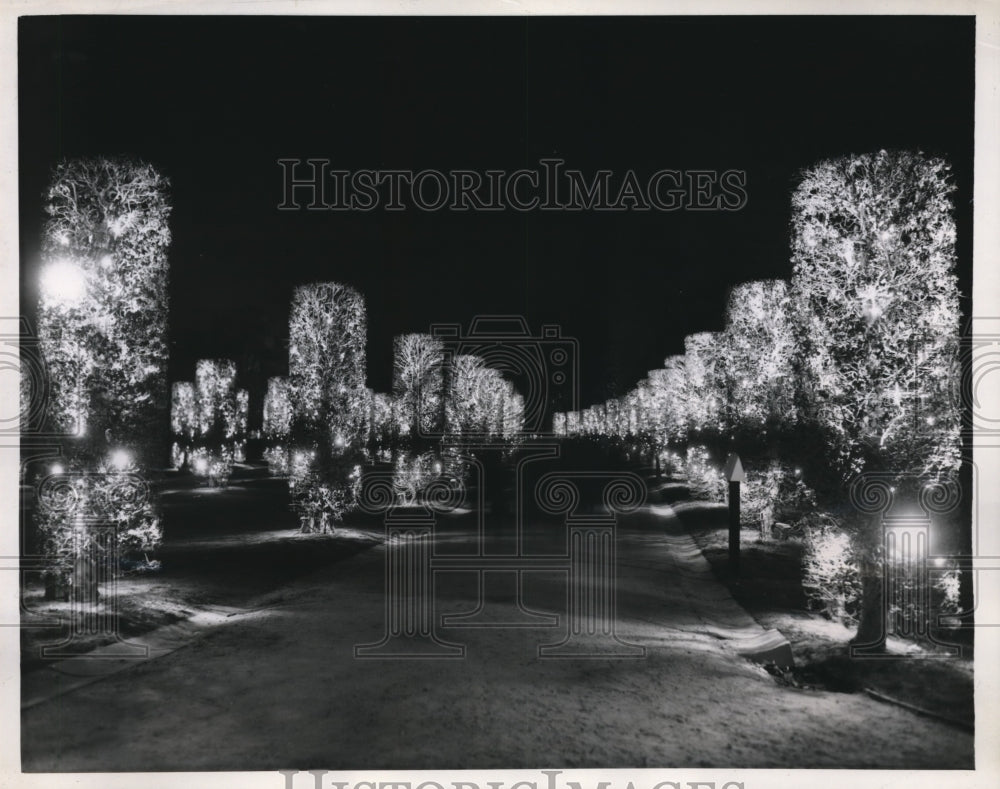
(63, 282)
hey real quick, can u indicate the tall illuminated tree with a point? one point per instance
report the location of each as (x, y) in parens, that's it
(183, 421)
(103, 309)
(326, 374)
(758, 347)
(703, 370)
(217, 407)
(513, 412)
(465, 405)
(277, 424)
(383, 427)
(559, 424)
(102, 321)
(877, 311)
(673, 384)
(418, 381)
(238, 427)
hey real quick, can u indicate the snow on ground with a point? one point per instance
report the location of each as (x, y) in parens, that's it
(280, 686)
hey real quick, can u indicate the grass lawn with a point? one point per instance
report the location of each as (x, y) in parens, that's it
(770, 588)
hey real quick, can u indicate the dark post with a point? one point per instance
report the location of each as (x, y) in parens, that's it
(735, 474)
(734, 527)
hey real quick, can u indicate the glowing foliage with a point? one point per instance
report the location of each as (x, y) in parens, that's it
(758, 348)
(703, 364)
(877, 312)
(330, 404)
(103, 309)
(102, 324)
(221, 428)
(418, 382)
(277, 424)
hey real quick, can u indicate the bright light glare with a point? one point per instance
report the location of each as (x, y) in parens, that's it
(57, 469)
(63, 282)
(200, 465)
(121, 459)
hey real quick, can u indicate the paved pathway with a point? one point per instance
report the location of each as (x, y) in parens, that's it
(279, 687)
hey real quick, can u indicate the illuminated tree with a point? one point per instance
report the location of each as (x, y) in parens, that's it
(103, 308)
(418, 381)
(183, 421)
(466, 403)
(672, 387)
(217, 405)
(877, 312)
(326, 374)
(277, 424)
(238, 427)
(704, 393)
(383, 424)
(559, 424)
(758, 347)
(102, 319)
(513, 412)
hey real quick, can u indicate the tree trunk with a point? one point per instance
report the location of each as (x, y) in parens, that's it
(56, 588)
(872, 616)
(85, 576)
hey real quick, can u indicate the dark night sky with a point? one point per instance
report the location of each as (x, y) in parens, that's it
(214, 102)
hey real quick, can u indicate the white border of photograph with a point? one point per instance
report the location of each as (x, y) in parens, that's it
(986, 299)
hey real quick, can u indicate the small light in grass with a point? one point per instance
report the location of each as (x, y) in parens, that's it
(339, 441)
(930, 421)
(121, 459)
(107, 261)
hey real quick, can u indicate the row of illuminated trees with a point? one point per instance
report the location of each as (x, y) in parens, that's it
(849, 367)
(208, 420)
(321, 424)
(102, 331)
(435, 397)
(738, 381)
